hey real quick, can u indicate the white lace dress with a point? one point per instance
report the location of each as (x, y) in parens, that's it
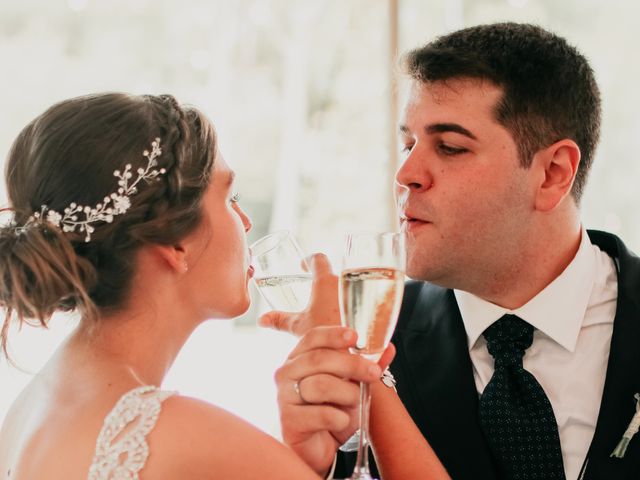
(121, 449)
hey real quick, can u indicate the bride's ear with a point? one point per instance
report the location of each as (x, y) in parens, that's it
(174, 256)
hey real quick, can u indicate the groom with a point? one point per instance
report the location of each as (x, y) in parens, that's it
(518, 345)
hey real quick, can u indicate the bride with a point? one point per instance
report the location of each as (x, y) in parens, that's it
(124, 210)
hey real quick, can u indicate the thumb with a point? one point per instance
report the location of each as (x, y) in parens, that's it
(281, 321)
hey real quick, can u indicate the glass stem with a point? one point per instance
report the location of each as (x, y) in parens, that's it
(361, 469)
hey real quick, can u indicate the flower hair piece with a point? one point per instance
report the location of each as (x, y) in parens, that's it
(113, 204)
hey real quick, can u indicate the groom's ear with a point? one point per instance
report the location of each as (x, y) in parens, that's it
(557, 165)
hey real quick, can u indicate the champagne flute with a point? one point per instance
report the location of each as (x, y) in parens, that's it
(371, 288)
(281, 272)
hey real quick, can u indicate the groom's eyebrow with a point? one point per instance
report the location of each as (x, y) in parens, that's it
(448, 127)
(440, 128)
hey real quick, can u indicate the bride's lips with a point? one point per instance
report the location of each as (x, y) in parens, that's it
(250, 268)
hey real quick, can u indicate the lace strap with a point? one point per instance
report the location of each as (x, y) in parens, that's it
(121, 448)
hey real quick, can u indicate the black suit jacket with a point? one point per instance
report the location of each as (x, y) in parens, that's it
(435, 378)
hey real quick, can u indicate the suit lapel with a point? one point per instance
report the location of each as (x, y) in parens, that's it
(623, 371)
(435, 381)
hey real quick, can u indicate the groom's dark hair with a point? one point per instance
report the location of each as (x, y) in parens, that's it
(550, 92)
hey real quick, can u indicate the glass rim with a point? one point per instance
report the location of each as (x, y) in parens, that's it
(278, 235)
(359, 236)
(372, 234)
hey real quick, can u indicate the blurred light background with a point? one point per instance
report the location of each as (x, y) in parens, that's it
(302, 95)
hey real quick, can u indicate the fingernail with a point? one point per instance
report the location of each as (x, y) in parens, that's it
(375, 371)
(348, 335)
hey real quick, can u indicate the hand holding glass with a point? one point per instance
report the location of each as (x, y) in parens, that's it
(371, 288)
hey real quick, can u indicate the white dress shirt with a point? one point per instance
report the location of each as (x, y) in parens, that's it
(573, 319)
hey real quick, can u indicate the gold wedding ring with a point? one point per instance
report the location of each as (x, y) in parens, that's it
(296, 387)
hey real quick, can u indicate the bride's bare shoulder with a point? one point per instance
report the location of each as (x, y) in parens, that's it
(195, 439)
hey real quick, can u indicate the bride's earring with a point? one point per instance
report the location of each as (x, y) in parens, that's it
(185, 267)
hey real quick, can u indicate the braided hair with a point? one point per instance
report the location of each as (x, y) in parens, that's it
(68, 155)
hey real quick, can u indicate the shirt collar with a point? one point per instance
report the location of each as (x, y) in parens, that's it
(558, 310)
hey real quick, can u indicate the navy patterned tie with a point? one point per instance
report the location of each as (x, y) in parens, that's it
(515, 413)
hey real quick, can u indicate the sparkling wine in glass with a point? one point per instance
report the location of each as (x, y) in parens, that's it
(371, 288)
(280, 272)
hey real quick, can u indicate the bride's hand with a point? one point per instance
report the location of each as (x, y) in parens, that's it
(323, 308)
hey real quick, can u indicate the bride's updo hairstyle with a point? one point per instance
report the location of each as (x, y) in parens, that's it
(66, 158)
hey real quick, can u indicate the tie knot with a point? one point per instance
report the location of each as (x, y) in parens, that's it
(508, 338)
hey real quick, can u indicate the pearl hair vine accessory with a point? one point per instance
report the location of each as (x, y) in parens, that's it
(113, 204)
